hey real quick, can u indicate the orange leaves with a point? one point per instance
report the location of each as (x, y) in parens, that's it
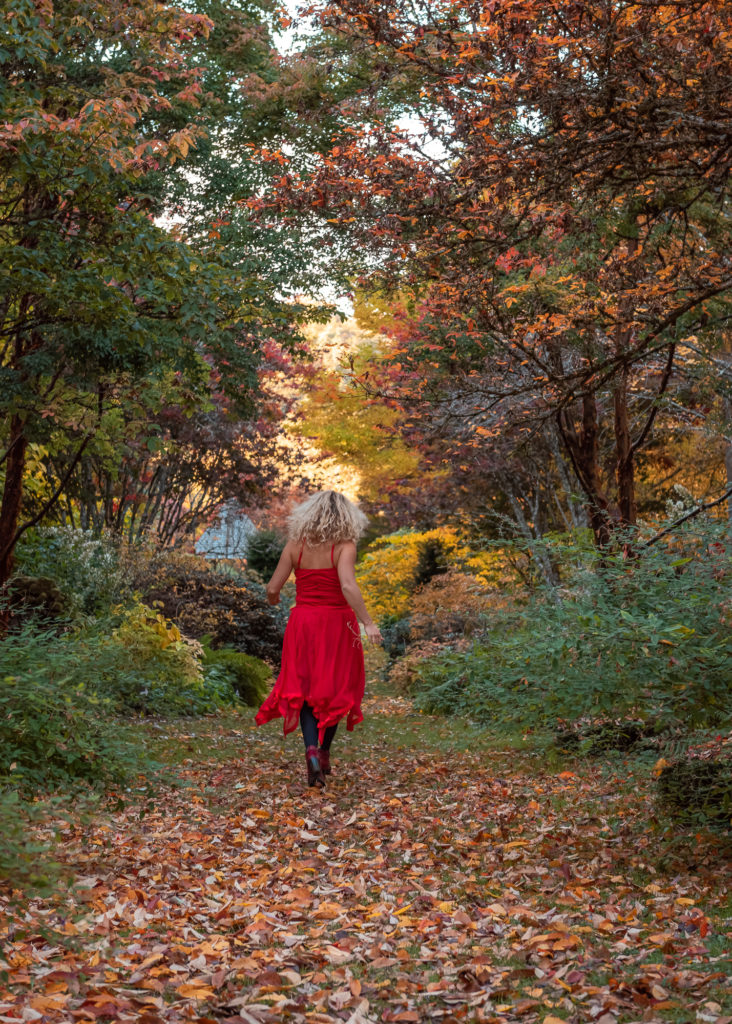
(424, 885)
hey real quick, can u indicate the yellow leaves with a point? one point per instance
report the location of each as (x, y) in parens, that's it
(168, 632)
(497, 910)
(48, 1003)
(179, 143)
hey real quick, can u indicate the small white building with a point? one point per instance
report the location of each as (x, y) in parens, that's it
(229, 538)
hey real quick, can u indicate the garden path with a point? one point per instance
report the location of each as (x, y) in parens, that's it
(428, 882)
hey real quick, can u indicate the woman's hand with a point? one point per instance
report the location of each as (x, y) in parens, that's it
(373, 633)
(273, 597)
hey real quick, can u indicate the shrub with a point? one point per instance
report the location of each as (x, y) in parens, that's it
(406, 674)
(599, 737)
(263, 552)
(451, 604)
(432, 560)
(395, 633)
(85, 567)
(24, 863)
(148, 666)
(36, 597)
(642, 638)
(203, 602)
(55, 727)
(697, 792)
(249, 677)
(62, 694)
(386, 572)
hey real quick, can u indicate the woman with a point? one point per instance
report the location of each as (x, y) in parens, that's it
(322, 674)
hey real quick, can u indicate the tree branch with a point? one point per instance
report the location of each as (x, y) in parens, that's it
(688, 515)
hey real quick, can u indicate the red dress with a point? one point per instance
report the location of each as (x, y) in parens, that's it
(322, 656)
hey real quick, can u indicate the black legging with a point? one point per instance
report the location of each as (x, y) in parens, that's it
(309, 726)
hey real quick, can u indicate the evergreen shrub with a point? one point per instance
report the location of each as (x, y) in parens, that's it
(432, 560)
(263, 552)
(395, 632)
(249, 677)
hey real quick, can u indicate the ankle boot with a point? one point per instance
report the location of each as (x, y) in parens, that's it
(315, 768)
(324, 756)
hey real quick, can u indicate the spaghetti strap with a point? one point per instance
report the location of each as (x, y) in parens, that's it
(300, 558)
(331, 555)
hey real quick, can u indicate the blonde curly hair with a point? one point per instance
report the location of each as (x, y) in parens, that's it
(326, 517)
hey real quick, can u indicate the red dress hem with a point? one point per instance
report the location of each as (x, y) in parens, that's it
(322, 645)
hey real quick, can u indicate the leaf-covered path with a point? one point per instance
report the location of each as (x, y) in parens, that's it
(426, 883)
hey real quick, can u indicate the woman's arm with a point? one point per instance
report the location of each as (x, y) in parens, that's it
(281, 575)
(351, 591)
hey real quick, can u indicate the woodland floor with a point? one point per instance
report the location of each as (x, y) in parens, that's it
(435, 879)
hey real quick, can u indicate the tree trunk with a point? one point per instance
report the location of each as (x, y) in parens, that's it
(12, 496)
(625, 455)
(582, 447)
(625, 466)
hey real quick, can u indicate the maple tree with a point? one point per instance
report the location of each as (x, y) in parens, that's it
(558, 209)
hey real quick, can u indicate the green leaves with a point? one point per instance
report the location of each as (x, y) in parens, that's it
(619, 642)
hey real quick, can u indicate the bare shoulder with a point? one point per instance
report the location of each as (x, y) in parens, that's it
(290, 549)
(347, 549)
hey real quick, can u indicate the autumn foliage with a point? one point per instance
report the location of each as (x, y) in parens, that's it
(556, 213)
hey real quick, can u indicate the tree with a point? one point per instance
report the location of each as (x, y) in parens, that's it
(562, 220)
(102, 306)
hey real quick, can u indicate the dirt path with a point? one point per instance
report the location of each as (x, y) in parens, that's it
(426, 883)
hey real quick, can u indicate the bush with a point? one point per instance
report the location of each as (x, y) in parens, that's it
(452, 604)
(62, 694)
(149, 667)
(599, 737)
(85, 567)
(406, 674)
(55, 727)
(24, 863)
(697, 792)
(642, 638)
(395, 633)
(263, 552)
(36, 597)
(249, 677)
(203, 602)
(432, 560)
